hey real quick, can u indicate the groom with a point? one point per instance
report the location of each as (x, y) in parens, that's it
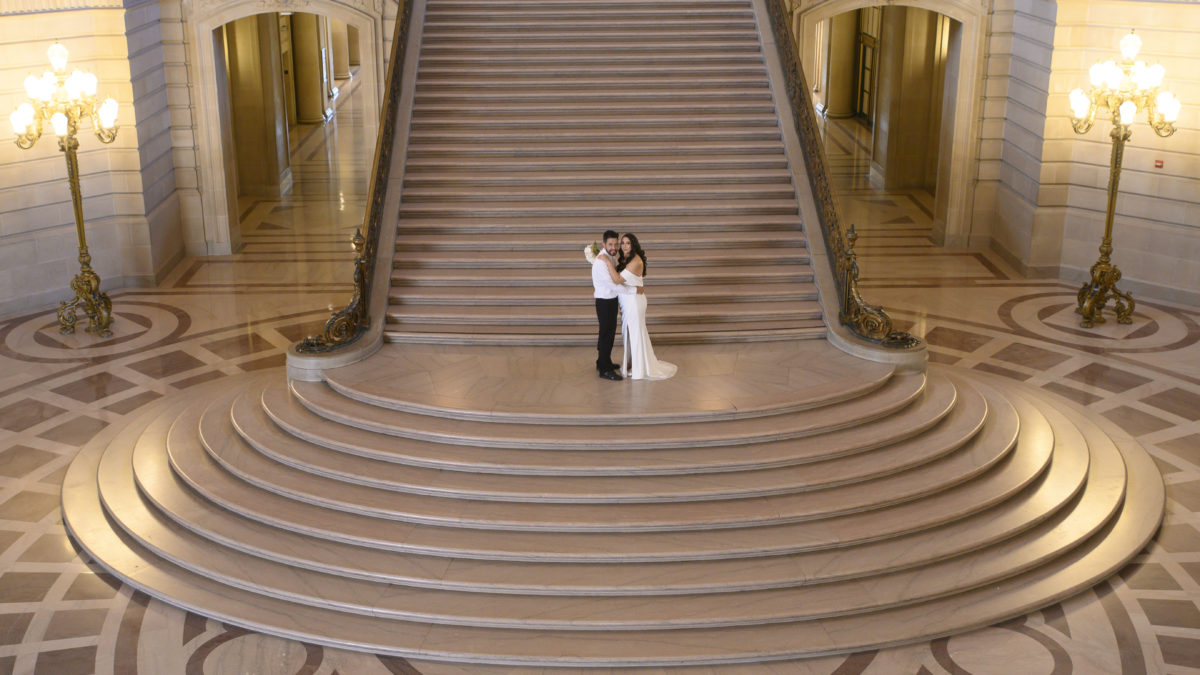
(606, 292)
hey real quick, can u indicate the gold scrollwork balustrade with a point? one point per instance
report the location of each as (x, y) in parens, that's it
(865, 320)
(349, 323)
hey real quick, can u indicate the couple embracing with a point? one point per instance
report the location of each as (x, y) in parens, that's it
(617, 273)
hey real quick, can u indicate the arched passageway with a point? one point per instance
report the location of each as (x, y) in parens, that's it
(910, 73)
(294, 60)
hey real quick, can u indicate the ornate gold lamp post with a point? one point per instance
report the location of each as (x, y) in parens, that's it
(1122, 89)
(63, 101)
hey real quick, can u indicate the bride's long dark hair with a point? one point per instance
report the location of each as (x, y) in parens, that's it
(635, 249)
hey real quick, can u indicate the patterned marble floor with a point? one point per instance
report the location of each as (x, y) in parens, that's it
(215, 317)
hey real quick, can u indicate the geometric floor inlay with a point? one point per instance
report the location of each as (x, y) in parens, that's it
(60, 614)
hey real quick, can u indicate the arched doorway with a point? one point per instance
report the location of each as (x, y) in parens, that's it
(957, 132)
(218, 194)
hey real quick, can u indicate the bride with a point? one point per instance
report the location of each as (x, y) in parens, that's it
(638, 361)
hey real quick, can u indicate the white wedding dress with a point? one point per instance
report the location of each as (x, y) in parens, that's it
(638, 361)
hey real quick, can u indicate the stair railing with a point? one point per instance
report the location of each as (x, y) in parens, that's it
(864, 320)
(351, 322)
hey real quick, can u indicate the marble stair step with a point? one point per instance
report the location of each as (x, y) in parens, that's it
(632, 110)
(663, 18)
(564, 76)
(501, 23)
(455, 195)
(591, 208)
(589, 37)
(665, 260)
(447, 165)
(683, 242)
(716, 57)
(447, 95)
(576, 434)
(575, 314)
(559, 135)
(1023, 468)
(525, 336)
(701, 177)
(598, 67)
(795, 273)
(663, 295)
(552, 48)
(257, 429)
(484, 321)
(585, 119)
(599, 81)
(455, 15)
(593, 226)
(601, 147)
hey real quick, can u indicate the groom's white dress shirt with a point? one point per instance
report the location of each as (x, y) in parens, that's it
(602, 281)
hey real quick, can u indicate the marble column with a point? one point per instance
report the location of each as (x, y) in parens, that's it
(840, 76)
(256, 99)
(312, 87)
(352, 46)
(907, 119)
(339, 49)
(228, 154)
(287, 63)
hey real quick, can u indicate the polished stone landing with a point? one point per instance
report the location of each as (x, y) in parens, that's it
(477, 505)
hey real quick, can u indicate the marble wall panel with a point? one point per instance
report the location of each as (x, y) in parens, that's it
(147, 58)
(1019, 52)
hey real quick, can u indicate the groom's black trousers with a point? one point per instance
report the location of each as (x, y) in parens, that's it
(606, 313)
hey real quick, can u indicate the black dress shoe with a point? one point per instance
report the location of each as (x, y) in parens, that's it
(611, 375)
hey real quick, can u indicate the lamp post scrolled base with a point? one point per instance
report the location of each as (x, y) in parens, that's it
(86, 284)
(1103, 285)
(1095, 294)
(88, 297)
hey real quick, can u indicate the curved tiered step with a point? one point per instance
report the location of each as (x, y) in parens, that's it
(537, 126)
(385, 513)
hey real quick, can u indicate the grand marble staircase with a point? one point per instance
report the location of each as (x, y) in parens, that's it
(477, 495)
(504, 506)
(538, 125)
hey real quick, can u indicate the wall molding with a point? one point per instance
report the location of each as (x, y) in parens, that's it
(12, 7)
